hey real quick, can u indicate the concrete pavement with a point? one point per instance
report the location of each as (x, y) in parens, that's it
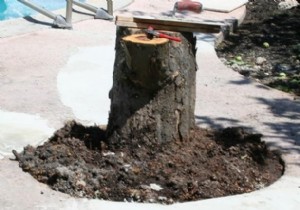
(48, 76)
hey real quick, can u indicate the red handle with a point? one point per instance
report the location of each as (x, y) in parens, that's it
(161, 35)
(189, 6)
(176, 39)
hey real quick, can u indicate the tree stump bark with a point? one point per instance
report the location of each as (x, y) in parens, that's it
(153, 93)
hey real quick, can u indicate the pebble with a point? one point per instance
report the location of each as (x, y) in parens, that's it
(260, 60)
(155, 187)
(81, 183)
(257, 67)
(244, 68)
(223, 60)
(108, 153)
(287, 4)
(162, 198)
(247, 71)
(296, 48)
(235, 66)
(283, 67)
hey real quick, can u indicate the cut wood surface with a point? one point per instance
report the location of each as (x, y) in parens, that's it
(171, 24)
(142, 39)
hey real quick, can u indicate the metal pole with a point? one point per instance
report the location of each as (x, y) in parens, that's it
(110, 7)
(39, 9)
(69, 9)
(86, 6)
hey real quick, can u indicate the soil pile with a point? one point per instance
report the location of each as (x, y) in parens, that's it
(77, 161)
(266, 46)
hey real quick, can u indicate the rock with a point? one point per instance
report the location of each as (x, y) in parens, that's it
(64, 172)
(223, 60)
(287, 4)
(81, 183)
(260, 60)
(162, 198)
(155, 187)
(244, 68)
(108, 153)
(235, 66)
(257, 67)
(283, 67)
(296, 48)
(247, 71)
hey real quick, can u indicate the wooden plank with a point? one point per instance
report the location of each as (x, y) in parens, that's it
(226, 7)
(166, 27)
(171, 21)
(220, 10)
(170, 24)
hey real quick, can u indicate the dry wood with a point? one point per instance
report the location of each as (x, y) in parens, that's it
(171, 24)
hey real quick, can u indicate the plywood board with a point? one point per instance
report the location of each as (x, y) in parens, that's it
(164, 9)
(222, 5)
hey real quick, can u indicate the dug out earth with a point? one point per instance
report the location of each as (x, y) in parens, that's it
(78, 161)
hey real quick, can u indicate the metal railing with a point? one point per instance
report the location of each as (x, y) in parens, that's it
(61, 22)
(100, 13)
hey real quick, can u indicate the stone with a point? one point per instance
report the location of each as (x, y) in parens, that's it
(235, 66)
(283, 67)
(296, 48)
(260, 60)
(223, 60)
(155, 187)
(256, 67)
(287, 4)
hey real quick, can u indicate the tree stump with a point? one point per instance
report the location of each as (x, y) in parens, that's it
(153, 93)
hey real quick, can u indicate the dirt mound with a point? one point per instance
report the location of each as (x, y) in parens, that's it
(77, 161)
(266, 46)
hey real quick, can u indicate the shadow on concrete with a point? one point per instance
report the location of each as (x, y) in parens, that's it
(33, 20)
(219, 123)
(289, 113)
(247, 81)
(243, 81)
(213, 123)
(50, 23)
